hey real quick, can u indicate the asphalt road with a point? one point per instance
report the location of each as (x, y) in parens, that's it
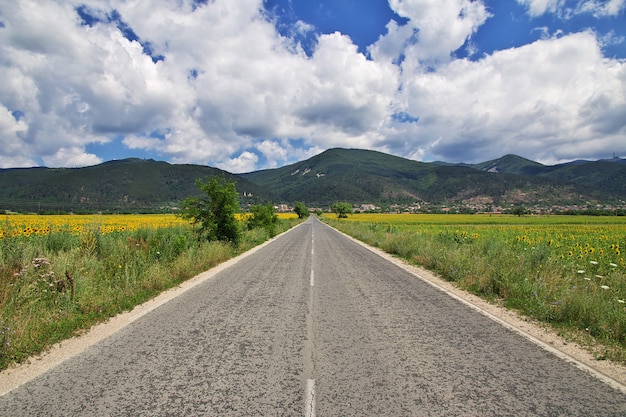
(314, 324)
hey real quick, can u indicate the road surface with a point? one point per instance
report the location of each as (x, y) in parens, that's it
(314, 324)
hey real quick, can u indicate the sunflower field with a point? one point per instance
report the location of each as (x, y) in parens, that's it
(30, 224)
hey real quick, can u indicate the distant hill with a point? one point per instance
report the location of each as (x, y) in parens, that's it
(606, 176)
(340, 174)
(511, 164)
(367, 176)
(351, 175)
(122, 185)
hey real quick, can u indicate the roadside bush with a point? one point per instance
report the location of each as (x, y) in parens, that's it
(263, 216)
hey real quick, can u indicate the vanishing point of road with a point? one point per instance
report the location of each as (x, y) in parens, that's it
(314, 323)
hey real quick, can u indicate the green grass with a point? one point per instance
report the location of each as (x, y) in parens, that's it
(111, 273)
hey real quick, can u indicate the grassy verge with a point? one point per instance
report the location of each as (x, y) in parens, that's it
(580, 290)
(57, 285)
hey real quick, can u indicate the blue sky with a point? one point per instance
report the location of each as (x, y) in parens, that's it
(257, 84)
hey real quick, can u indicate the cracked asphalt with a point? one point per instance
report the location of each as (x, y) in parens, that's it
(314, 324)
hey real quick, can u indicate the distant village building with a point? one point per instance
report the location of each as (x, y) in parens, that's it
(368, 207)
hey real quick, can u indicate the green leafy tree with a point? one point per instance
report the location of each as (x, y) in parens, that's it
(301, 210)
(214, 212)
(520, 211)
(342, 210)
(263, 215)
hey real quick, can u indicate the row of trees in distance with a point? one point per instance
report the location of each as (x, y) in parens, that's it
(213, 214)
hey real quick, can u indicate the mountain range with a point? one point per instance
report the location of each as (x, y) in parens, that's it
(352, 175)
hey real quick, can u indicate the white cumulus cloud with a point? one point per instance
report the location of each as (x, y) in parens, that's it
(434, 30)
(596, 8)
(554, 99)
(218, 84)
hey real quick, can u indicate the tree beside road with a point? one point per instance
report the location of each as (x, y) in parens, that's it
(214, 212)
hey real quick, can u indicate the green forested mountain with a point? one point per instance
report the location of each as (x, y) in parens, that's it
(121, 185)
(511, 164)
(359, 175)
(351, 175)
(607, 175)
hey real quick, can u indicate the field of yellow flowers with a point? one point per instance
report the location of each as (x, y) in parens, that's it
(575, 240)
(569, 271)
(35, 225)
(32, 224)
